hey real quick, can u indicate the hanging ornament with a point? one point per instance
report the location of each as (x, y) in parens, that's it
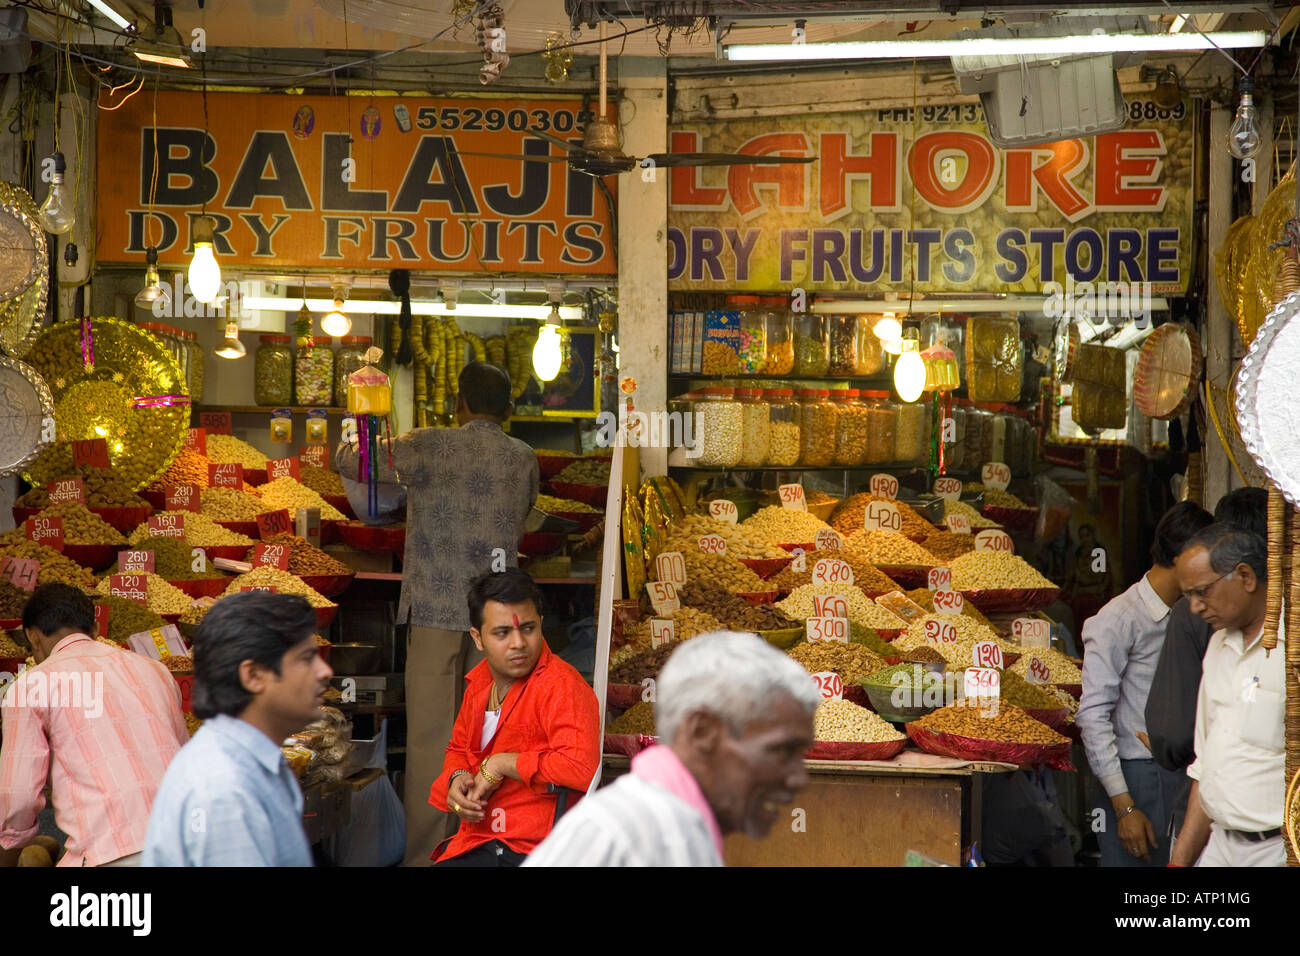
(558, 61)
(370, 399)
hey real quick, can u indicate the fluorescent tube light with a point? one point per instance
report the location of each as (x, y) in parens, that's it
(1075, 45)
(161, 58)
(1179, 22)
(103, 7)
(253, 303)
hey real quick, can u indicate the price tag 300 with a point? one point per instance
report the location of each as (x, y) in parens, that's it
(830, 684)
(993, 540)
(827, 629)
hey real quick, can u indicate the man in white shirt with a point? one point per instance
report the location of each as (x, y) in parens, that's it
(1235, 809)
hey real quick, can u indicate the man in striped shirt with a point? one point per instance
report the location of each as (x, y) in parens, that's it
(101, 723)
(735, 715)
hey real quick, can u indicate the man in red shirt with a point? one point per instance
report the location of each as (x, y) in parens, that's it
(528, 720)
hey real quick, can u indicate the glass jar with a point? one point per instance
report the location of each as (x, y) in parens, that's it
(783, 412)
(955, 451)
(273, 371)
(911, 445)
(977, 421)
(842, 343)
(351, 355)
(850, 427)
(871, 354)
(780, 336)
(882, 428)
(195, 360)
(313, 371)
(816, 427)
(756, 427)
(986, 438)
(751, 346)
(811, 355)
(719, 422)
(1000, 449)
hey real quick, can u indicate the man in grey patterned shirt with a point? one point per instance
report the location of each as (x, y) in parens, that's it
(469, 490)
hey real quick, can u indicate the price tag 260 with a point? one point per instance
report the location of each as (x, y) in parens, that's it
(987, 654)
(135, 562)
(830, 684)
(957, 524)
(949, 489)
(884, 486)
(995, 475)
(713, 544)
(993, 540)
(983, 682)
(939, 579)
(663, 597)
(792, 498)
(940, 632)
(724, 510)
(671, 567)
(1032, 632)
(662, 631)
(882, 516)
(948, 602)
(832, 571)
(827, 629)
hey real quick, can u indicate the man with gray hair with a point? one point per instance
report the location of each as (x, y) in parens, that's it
(1234, 811)
(734, 717)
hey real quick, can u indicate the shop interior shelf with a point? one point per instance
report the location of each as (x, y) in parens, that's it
(396, 576)
(267, 409)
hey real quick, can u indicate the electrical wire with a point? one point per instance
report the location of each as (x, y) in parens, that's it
(1191, 20)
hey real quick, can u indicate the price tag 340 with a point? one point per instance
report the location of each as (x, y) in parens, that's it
(724, 510)
(792, 497)
(996, 475)
(884, 486)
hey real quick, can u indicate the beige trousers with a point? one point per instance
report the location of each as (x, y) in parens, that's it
(436, 664)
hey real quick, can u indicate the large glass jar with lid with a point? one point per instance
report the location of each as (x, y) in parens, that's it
(719, 422)
(978, 421)
(811, 356)
(755, 427)
(871, 354)
(780, 336)
(955, 450)
(273, 371)
(313, 372)
(850, 427)
(842, 344)
(750, 347)
(882, 427)
(194, 364)
(816, 428)
(784, 414)
(911, 446)
(350, 357)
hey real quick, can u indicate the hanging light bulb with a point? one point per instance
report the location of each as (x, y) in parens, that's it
(909, 370)
(231, 347)
(154, 295)
(1168, 92)
(888, 328)
(1243, 135)
(205, 273)
(892, 346)
(56, 213)
(336, 321)
(546, 353)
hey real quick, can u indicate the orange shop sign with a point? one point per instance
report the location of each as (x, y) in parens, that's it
(286, 187)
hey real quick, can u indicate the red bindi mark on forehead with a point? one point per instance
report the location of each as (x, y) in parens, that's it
(515, 618)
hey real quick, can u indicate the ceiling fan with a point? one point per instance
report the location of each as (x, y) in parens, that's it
(601, 155)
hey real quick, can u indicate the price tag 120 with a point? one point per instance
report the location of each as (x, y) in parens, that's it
(882, 516)
(995, 475)
(671, 567)
(713, 544)
(274, 522)
(832, 571)
(987, 654)
(663, 597)
(884, 486)
(948, 602)
(129, 587)
(957, 524)
(827, 629)
(939, 579)
(949, 489)
(983, 682)
(1032, 632)
(828, 539)
(662, 631)
(724, 510)
(993, 540)
(940, 632)
(792, 497)
(830, 684)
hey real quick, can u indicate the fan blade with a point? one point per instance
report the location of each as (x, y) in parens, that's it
(722, 159)
(562, 143)
(525, 159)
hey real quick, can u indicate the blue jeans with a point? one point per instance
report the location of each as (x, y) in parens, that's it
(1160, 794)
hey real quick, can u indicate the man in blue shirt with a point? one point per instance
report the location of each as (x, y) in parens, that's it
(229, 798)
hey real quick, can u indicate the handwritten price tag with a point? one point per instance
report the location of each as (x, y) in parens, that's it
(663, 597)
(21, 571)
(884, 486)
(949, 489)
(830, 605)
(713, 544)
(983, 682)
(226, 475)
(101, 620)
(957, 524)
(832, 571)
(260, 587)
(948, 602)
(671, 567)
(662, 631)
(987, 654)
(215, 423)
(1032, 632)
(135, 562)
(939, 579)
(1038, 672)
(828, 539)
(315, 455)
(724, 510)
(282, 468)
(65, 490)
(274, 522)
(46, 531)
(129, 587)
(792, 497)
(996, 475)
(993, 540)
(271, 556)
(882, 516)
(940, 632)
(830, 684)
(169, 526)
(92, 452)
(196, 439)
(827, 629)
(183, 498)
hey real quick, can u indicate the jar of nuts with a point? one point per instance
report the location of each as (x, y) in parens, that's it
(719, 423)
(842, 342)
(783, 413)
(817, 428)
(882, 427)
(314, 372)
(811, 355)
(751, 348)
(977, 422)
(956, 450)
(273, 371)
(871, 354)
(756, 427)
(850, 427)
(780, 336)
(913, 433)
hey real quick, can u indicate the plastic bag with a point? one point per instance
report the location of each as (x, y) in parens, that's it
(377, 834)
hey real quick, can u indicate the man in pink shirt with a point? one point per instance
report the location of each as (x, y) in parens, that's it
(99, 722)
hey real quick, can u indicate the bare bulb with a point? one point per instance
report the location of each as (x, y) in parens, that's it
(1243, 135)
(56, 214)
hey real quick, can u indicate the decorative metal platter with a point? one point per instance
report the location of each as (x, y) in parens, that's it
(26, 415)
(1268, 404)
(22, 242)
(20, 318)
(1168, 371)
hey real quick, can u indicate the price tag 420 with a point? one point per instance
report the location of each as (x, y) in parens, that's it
(882, 516)
(792, 497)
(884, 486)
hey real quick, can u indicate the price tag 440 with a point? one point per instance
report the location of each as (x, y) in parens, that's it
(724, 510)
(830, 684)
(792, 497)
(1038, 672)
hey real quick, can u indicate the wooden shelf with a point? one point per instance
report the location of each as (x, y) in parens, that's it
(397, 576)
(267, 409)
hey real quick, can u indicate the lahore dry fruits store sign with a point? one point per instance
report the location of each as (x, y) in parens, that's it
(894, 192)
(286, 188)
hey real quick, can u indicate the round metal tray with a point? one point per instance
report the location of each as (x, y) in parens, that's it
(1267, 405)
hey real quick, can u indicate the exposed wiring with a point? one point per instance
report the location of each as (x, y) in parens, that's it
(1190, 19)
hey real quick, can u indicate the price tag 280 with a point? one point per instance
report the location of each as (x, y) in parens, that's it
(949, 489)
(983, 682)
(827, 629)
(671, 567)
(183, 497)
(993, 540)
(940, 632)
(882, 516)
(662, 631)
(792, 498)
(1038, 672)
(663, 597)
(939, 579)
(884, 486)
(830, 684)
(995, 475)
(987, 654)
(1032, 632)
(828, 539)
(713, 544)
(724, 510)
(832, 571)
(948, 602)
(957, 524)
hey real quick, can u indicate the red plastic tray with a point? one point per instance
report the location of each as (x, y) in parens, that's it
(766, 567)
(593, 495)
(11, 665)
(325, 615)
(96, 557)
(10, 623)
(1010, 599)
(629, 745)
(586, 521)
(539, 543)
(623, 695)
(186, 683)
(254, 476)
(1013, 520)
(247, 528)
(124, 519)
(889, 633)
(847, 750)
(1056, 756)
(548, 466)
(329, 531)
(367, 537)
(760, 597)
(202, 587)
(330, 585)
(808, 548)
(231, 552)
(1054, 717)
(342, 503)
(1074, 690)
(857, 694)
